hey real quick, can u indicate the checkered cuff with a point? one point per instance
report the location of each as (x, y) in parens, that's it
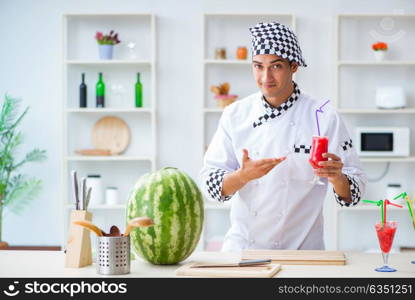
(354, 190)
(214, 185)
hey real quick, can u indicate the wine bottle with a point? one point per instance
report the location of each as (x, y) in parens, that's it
(82, 93)
(100, 91)
(138, 92)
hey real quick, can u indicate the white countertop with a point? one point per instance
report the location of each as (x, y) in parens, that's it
(51, 264)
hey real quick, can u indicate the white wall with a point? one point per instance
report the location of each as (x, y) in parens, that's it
(30, 68)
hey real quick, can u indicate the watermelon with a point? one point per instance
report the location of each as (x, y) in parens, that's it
(175, 204)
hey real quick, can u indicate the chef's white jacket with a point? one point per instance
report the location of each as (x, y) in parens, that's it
(281, 210)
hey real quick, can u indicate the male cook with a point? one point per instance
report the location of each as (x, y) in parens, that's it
(259, 154)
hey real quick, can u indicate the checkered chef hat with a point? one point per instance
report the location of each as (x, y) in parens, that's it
(278, 39)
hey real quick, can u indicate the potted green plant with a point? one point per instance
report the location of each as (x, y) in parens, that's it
(106, 43)
(16, 190)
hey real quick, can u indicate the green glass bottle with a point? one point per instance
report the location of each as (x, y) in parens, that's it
(100, 91)
(138, 92)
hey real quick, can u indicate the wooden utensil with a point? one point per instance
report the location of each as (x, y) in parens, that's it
(298, 257)
(111, 133)
(138, 222)
(90, 226)
(94, 152)
(264, 271)
(114, 231)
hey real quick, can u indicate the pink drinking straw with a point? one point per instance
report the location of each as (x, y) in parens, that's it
(320, 109)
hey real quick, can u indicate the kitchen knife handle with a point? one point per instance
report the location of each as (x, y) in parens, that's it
(75, 189)
(250, 262)
(88, 196)
(83, 184)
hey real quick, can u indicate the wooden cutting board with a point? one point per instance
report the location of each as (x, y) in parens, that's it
(265, 271)
(94, 152)
(111, 133)
(298, 257)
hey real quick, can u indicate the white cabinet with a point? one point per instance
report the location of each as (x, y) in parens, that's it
(80, 55)
(357, 75)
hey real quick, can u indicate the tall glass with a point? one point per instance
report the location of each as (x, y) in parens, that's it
(386, 233)
(320, 145)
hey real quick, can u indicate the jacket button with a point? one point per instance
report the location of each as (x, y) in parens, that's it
(292, 123)
(254, 213)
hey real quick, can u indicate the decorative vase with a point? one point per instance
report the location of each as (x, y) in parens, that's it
(379, 55)
(225, 100)
(105, 51)
(242, 53)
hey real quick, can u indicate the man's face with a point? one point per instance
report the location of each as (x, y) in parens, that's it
(272, 74)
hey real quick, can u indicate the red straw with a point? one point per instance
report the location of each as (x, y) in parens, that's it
(397, 205)
(385, 203)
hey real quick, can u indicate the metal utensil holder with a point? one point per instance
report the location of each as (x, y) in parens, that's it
(113, 255)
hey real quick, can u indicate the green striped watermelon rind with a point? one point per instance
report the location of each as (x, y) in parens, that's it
(180, 217)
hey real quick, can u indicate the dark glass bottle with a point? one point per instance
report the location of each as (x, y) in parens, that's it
(138, 92)
(82, 93)
(100, 92)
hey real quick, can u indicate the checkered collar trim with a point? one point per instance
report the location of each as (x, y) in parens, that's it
(272, 112)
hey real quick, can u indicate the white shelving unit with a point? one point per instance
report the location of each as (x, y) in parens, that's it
(366, 207)
(80, 55)
(375, 63)
(227, 62)
(405, 111)
(387, 159)
(226, 30)
(110, 110)
(357, 74)
(101, 207)
(108, 62)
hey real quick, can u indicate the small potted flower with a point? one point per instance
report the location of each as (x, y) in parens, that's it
(222, 94)
(106, 43)
(380, 49)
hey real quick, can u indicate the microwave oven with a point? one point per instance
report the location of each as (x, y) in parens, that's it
(382, 141)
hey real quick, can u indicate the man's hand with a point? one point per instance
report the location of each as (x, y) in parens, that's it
(253, 169)
(331, 169)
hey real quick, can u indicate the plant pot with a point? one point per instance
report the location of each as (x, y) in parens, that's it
(4, 245)
(379, 55)
(105, 51)
(225, 100)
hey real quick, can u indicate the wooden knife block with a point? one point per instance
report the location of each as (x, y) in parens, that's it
(78, 247)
